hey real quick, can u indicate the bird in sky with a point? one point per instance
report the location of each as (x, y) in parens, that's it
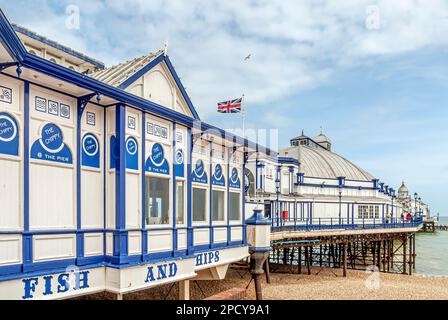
(248, 57)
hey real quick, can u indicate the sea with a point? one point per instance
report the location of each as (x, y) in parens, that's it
(432, 252)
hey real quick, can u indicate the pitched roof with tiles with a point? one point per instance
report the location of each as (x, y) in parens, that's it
(57, 45)
(118, 74)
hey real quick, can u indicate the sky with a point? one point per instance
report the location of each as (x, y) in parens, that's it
(372, 74)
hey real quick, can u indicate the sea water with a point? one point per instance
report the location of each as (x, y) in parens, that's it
(432, 252)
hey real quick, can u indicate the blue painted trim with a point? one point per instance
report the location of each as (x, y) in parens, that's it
(210, 194)
(258, 219)
(288, 160)
(174, 182)
(143, 172)
(190, 246)
(10, 40)
(263, 249)
(181, 88)
(243, 197)
(229, 234)
(47, 265)
(120, 237)
(58, 46)
(27, 240)
(106, 152)
(5, 270)
(141, 72)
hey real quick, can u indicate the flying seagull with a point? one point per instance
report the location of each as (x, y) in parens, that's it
(248, 57)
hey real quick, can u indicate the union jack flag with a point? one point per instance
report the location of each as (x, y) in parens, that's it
(231, 106)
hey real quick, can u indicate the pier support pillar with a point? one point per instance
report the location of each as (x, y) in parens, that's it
(345, 260)
(404, 255)
(184, 290)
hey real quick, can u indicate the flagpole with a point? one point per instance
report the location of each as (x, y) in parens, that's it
(243, 115)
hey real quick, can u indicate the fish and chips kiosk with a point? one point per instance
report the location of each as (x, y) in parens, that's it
(109, 180)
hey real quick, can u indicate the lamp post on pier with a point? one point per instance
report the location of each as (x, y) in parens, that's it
(415, 203)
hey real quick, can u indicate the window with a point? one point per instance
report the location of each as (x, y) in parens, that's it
(199, 204)
(218, 205)
(180, 202)
(234, 206)
(157, 200)
(368, 212)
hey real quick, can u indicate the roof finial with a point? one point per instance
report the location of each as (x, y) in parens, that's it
(302, 133)
(321, 132)
(165, 48)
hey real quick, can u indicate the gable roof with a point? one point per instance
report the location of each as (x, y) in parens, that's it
(12, 43)
(124, 74)
(57, 45)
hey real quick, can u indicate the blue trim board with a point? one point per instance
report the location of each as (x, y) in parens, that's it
(174, 182)
(9, 39)
(141, 72)
(143, 172)
(190, 248)
(120, 237)
(27, 240)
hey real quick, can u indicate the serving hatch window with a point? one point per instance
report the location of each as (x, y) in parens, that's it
(157, 200)
(218, 205)
(199, 205)
(180, 202)
(234, 202)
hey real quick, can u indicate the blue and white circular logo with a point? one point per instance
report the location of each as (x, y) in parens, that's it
(199, 168)
(218, 172)
(179, 156)
(157, 154)
(52, 138)
(8, 128)
(90, 145)
(234, 175)
(131, 146)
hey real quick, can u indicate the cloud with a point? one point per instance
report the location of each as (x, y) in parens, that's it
(296, 45)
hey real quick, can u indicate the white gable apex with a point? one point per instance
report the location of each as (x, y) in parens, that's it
(158, 86)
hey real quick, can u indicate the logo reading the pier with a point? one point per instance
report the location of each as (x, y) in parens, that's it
(234, 179)
(157, 154)
(218, 178)
(50, 146)
(9, 137)
(156, 162)
(199, 174)
(179, 156)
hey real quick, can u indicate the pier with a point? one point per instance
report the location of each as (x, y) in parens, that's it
(386, 248)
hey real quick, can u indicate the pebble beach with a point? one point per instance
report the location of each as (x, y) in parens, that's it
(322, 284)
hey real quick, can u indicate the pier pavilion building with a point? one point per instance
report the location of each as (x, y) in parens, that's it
(109, 180)
(308, 185)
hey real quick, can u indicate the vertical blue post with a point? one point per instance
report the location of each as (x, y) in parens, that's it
(27, 241)
(120, 251)
(243, 192)
(144, 213)
(190, 246)
(106, 151)
(79, 234)
(229, 229)
(175, 240)
(211, 195)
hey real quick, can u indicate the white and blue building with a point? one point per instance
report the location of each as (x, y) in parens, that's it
(309, 187)
(109, 180)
